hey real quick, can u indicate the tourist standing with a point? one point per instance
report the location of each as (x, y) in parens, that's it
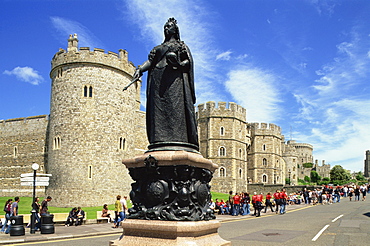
(236, 206)
(259, 199)
(283, 197)
(277, 200)
(7, 209)
(13, 211)
(246, 201)
(118, 212)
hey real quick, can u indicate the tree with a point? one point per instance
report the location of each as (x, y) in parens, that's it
(307, 179)
(315, 177)
(360, 176)
(308, 165)
(339, 173)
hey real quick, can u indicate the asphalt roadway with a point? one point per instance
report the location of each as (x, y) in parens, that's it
(344, 223)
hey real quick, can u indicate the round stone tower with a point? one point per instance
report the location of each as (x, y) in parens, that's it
(92, 125)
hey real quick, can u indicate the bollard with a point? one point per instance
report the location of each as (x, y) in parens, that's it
(17, 228)
(47, 224)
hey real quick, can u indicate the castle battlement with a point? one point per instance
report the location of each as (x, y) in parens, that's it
(221, 109)
(265, 128)
(24, 120)
(299, 145)
(96, 56)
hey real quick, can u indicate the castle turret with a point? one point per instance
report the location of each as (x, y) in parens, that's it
(223, 138)
(93, 125)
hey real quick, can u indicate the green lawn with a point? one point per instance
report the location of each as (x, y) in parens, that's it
(24, 206)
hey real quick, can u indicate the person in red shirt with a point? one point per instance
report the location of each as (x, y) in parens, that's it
(268, 202)
(277, 200)
(254, 197)
(259, 199)
(283, 197)
(236, 206)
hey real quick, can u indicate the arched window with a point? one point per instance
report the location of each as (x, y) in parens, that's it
(222, 172)
(264, 162)
(264, 178)
(85, 91)
(222, 131)
(57, 143)
(240, 173)
(293, 176)
(90, 91)
(293, 169)
(222, 151)
(122, 143)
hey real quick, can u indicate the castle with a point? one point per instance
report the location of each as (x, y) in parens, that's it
(93, 125)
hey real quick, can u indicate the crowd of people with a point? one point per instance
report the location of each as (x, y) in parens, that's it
(241, 203)
(11, 209)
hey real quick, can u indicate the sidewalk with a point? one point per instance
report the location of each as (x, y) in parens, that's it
(62, 232)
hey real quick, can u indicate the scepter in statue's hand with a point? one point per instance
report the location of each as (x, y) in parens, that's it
(136, 77)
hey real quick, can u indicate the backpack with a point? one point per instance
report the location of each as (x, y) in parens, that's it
(7, 208)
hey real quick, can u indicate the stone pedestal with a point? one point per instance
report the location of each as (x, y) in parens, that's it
(154, 233)
(170, 199)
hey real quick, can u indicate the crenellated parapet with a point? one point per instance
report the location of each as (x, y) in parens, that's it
(265, 129)
(23, 120)
(221, 109)
(299, 145)
(96, 56)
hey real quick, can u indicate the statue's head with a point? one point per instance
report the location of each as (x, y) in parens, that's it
(171, 28)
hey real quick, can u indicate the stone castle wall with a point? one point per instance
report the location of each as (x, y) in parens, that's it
(266, 164)
(93, 126)
(223, 139)
(22, 143)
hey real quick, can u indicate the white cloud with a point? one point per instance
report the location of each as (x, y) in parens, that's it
(26, 74)
(255, 90)
(224, 56)
(66, 27)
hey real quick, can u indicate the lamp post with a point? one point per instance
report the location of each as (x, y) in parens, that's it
(35, 166)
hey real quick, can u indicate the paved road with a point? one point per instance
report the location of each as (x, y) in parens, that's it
(344, 223)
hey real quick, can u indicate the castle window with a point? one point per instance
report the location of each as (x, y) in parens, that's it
(89, 172)
(44, 149)
(222, 151)
(293, 176)
(264, 178)
(85, 91)
(264, 147)
(60, 72)
(15, 153)
(122, 143)
(264, 162)
(240, 173)
(56, 143)
(277, 163)
(88, 91)
(222, 131)
(222, 172)
(240, 153)
(293, 160)
(293, 169)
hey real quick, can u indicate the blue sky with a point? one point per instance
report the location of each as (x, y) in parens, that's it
(303, 65)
